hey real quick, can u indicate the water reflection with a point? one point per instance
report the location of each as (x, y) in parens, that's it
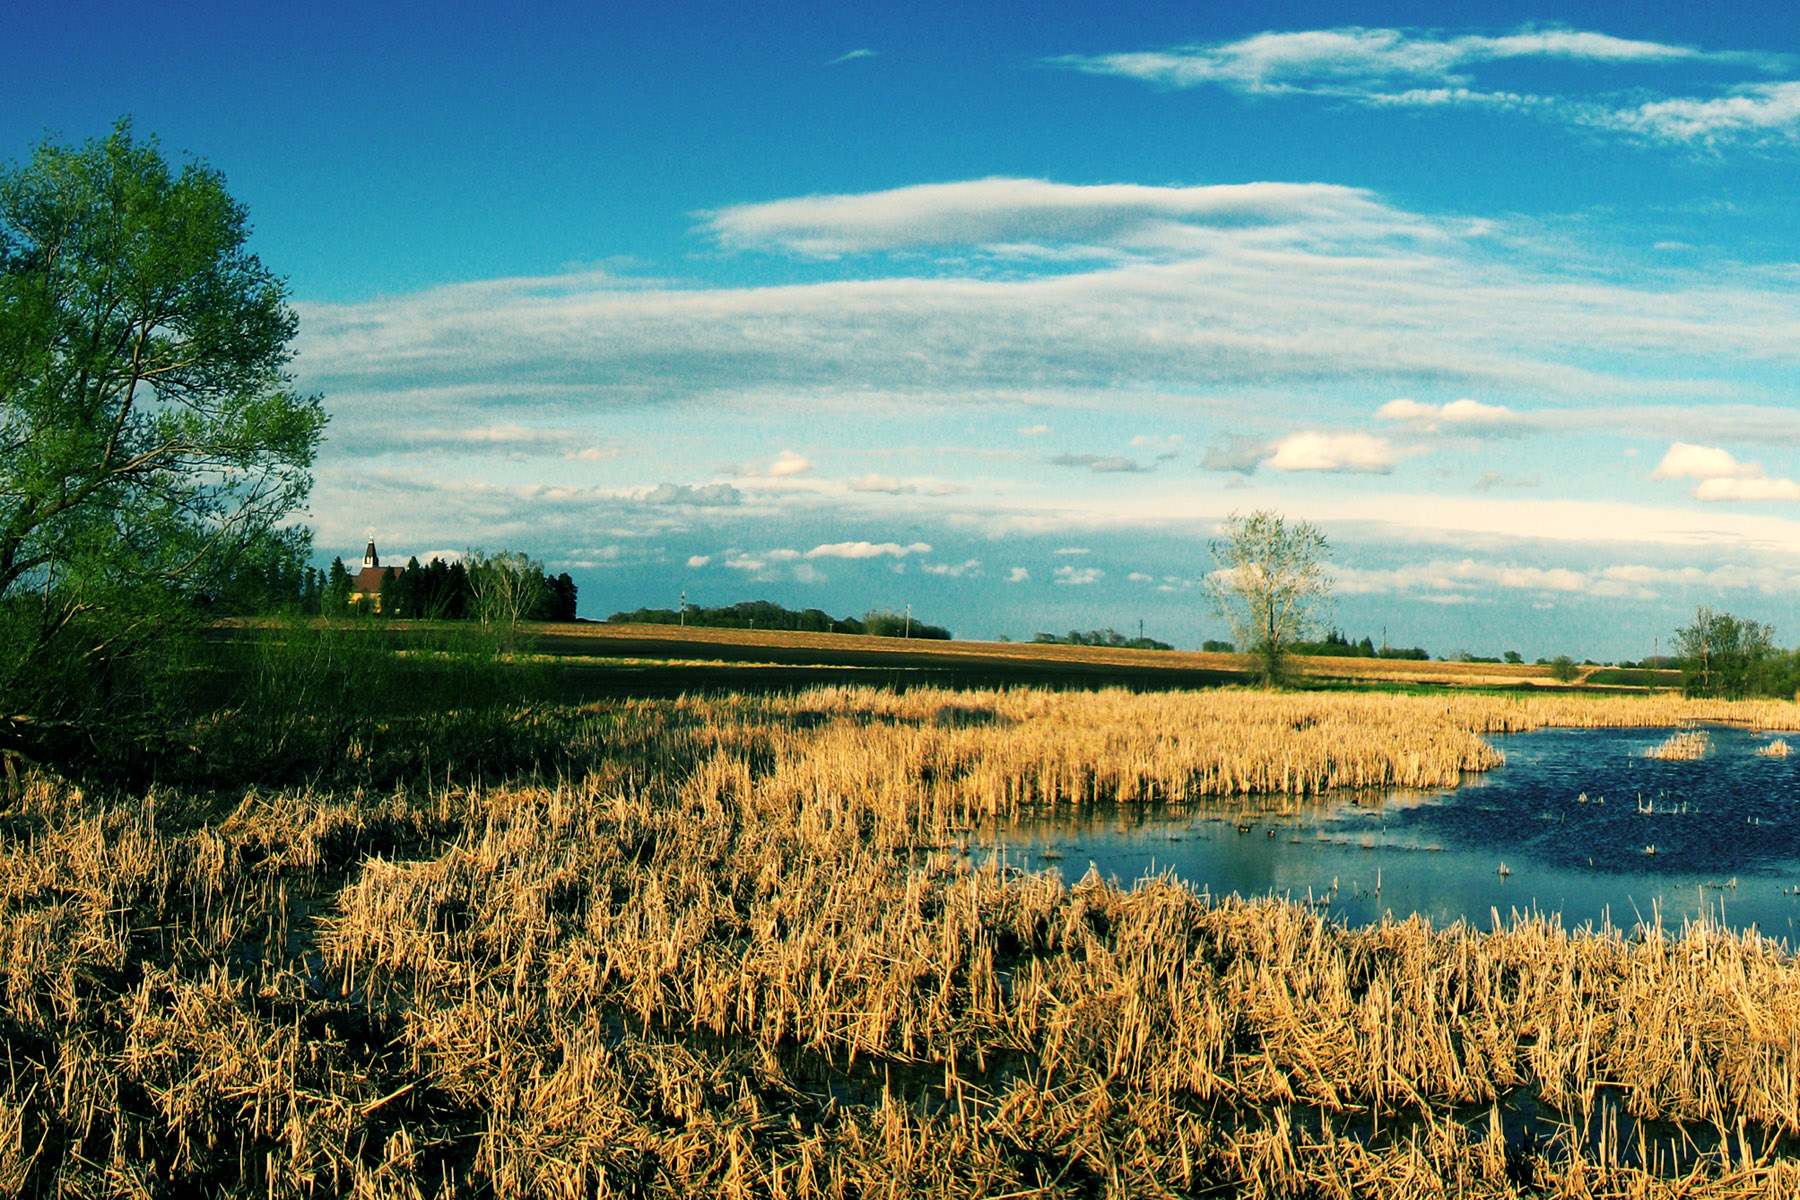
(1566, 826)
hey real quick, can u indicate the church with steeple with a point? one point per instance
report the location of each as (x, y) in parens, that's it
(365, 586)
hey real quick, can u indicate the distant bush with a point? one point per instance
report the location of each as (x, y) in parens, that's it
(1213, 646)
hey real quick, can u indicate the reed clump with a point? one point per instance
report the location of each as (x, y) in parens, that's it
(741, 954)
(1684, 746)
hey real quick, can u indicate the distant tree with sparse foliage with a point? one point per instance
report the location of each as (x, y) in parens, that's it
(1270, 585)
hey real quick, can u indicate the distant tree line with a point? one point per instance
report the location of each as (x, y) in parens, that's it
(1725, 655)
(275, 580)
(762, 614)
(1336, 645)
(1111, 638)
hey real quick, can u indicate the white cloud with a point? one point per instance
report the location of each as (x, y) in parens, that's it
(1753, 111)
(1468, 577)
(952, 570)
(1753, 488)
(868, 550)
(1079, 576)
(1401, 68)
(1228, 315)
(744, 562)
(853, 55)
(1071, 551)
(1459, 416)
(696, 561)
(1033, 430)
(1722, 477)
(711, 495)
(1018, 575)
(1354, 59)
(1140, 577)
(788, 463)
(1011, 214)
(880, 483)
(1688, 461)
(1357, 453)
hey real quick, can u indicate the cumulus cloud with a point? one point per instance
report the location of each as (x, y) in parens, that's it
(1078, 576)
(696, 561)
(952, 570)
(1353, 453)
(1458, 416)
(710, 495)
(1018, 575)
(1720, 476)
(788, 463)
(1033, 430)
(1685, 460)
(1099, 464)
(868, 550)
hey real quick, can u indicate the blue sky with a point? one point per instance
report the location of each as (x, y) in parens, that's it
(999, 313)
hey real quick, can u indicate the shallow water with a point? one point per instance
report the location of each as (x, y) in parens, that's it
(1571, 817)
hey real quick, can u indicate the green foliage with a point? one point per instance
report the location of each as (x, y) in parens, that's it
(1724, 655)
(1563, 669)
(1101, 637)
(899, 625)
(762, 614)
(291, 699)
(1336, 645)
(150, 441)
(1270, 585)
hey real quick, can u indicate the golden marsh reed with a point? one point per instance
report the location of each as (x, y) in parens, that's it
(741, 955)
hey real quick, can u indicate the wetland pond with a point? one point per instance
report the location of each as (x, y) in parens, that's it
(1566, 826)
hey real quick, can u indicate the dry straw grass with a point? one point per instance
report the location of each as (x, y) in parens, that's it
(1684, 746)
(743, 956)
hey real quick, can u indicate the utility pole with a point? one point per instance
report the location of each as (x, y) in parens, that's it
(909, 621)
(1140, 629)
(684, 608)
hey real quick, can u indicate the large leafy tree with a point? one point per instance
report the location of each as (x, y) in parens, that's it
(1722, 655)
(1270, 585)
(149, 428)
